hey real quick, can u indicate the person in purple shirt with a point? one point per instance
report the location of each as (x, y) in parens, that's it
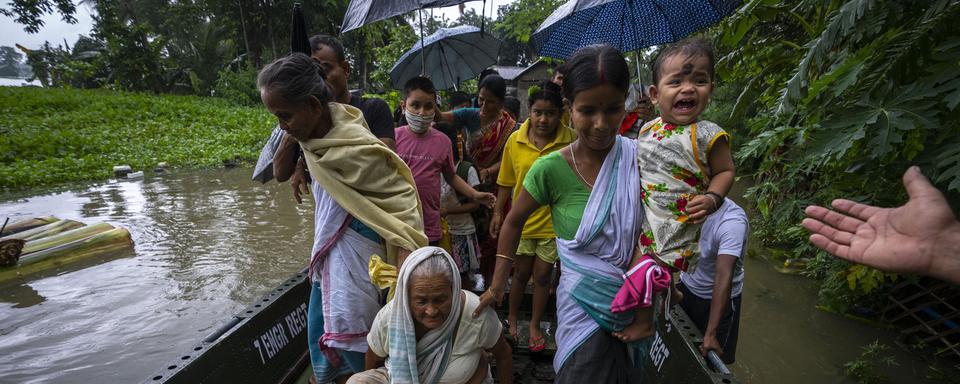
(429, 155)
(711, 294)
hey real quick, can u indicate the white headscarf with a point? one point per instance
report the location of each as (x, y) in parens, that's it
(423, 361)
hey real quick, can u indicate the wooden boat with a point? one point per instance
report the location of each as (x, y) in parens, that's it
(267, 343)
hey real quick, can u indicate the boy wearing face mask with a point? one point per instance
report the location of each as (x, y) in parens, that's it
(429, 154)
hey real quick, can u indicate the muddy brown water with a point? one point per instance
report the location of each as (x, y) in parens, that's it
(207, 243)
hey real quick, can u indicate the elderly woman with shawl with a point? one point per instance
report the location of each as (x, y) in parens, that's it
(592, 188)
(427, 333)
(366, 204)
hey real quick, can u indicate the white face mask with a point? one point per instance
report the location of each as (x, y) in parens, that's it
(418, 123)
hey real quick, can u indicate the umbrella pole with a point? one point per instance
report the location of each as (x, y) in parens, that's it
(423, 57)
(639, 79)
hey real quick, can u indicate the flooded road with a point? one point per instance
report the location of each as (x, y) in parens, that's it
(210, 242)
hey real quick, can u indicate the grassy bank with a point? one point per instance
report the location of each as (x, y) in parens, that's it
(54, 136)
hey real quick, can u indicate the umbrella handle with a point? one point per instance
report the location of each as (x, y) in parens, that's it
(423, 56)
(483, 18)
(639, 79)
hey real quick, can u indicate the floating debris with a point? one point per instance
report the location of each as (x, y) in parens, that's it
(122, 170)
(37, 244)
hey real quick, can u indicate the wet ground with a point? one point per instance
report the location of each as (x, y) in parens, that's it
(210, 242)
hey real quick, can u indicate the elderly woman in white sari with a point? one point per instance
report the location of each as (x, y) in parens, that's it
(593, 190)
(427, 333)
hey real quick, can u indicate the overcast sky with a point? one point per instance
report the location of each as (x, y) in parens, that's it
(55, 30)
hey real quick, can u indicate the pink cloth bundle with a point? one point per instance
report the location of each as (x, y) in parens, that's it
(639, 285)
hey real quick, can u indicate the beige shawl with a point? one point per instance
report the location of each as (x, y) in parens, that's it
(367, 179)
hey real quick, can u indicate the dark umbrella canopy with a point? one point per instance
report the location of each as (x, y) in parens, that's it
(263, 170)
(299, 42)
(628, 25)
(363, 12)
(448, 57)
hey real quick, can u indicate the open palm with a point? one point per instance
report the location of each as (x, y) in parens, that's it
(902, 239)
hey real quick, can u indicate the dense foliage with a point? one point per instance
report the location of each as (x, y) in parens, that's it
(51, 136)
(836, 99)
(188, 47)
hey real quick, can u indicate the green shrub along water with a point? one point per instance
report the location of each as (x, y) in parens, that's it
(54, 136)
(836, 99)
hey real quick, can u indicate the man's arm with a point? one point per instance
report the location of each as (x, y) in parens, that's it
(389, 142)
(921, 236)
(285, 160)
(719, 302)
(380, 119)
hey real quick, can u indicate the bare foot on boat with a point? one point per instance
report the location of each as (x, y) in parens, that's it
(639, 329)
(514, 331)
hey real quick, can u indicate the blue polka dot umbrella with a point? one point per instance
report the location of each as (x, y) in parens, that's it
(628, 25)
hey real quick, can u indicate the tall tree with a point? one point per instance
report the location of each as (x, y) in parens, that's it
(518, 21)
(29, 13)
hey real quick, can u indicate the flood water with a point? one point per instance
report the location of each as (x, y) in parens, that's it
(207, 244)
(210, 242)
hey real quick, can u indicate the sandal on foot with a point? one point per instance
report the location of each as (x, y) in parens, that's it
(536, 344)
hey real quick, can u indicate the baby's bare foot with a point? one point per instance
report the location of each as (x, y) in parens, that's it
(637, 330)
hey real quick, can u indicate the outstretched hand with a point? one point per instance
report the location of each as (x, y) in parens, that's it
(909, 238)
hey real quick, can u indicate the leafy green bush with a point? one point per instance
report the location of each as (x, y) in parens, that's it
(836, 99)
(238, 86)
(51, 136)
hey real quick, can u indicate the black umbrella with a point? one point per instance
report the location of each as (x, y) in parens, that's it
(363, 12)
(299, 42)
(263, 170)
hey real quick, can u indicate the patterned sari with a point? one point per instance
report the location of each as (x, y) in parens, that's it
(673, 169)
(486, 146)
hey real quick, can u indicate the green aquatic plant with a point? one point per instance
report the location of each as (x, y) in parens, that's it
(864, 369)
(54, 136)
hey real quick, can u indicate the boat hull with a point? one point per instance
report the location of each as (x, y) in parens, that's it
(267, 343)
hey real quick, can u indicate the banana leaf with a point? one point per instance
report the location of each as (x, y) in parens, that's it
(65, 237)
(65, 254)
(25, 224)
(46, 230)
